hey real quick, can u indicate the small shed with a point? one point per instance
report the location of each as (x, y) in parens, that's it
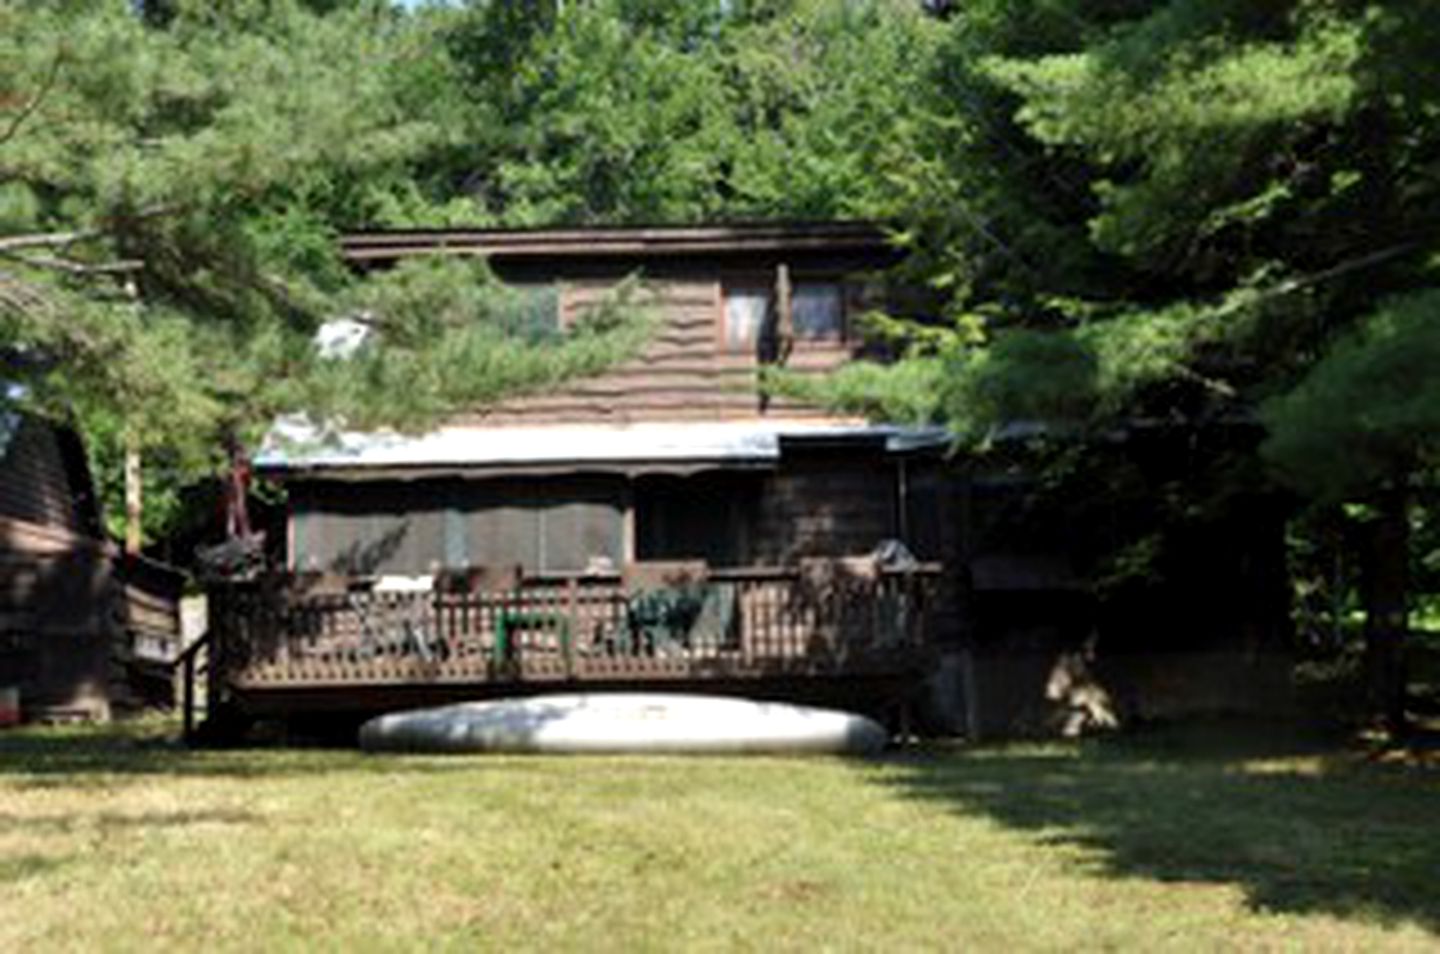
(84, 629)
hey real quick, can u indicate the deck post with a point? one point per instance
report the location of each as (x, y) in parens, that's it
(187, 690)
(572, 610)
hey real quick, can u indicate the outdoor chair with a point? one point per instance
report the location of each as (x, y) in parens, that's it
(663, 599)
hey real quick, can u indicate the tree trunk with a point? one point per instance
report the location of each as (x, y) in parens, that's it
(1386, 609)
(237, 492)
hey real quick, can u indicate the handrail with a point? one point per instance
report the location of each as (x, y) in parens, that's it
(715, 573)
(188, 653)
(827, 617)
(186, 660)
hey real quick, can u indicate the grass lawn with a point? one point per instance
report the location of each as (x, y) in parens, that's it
(118, 839)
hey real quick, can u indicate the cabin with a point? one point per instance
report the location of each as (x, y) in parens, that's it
(85, 630)
(670, 525)
(664, 524)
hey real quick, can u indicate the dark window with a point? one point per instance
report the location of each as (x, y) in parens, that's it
(704, 517)
(817, 311)
(533, 311)
(925, 513)
(501, 522)
(578, 531)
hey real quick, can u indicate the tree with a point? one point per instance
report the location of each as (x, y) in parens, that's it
(1187, 211)
(169, 200)
(1364, 424)
(681, 110)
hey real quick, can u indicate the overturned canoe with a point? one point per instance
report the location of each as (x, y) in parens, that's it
(623, 722)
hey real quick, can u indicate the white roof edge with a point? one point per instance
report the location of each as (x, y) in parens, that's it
(294, 442)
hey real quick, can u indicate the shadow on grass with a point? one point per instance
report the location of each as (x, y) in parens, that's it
(23, 867)
(113, 821)
(91, 756)
(1298, 825)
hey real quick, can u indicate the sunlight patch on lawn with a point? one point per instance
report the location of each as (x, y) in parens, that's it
(1024, 847)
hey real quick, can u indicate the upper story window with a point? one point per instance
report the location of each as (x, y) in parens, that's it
(534, 309)
(817, 313)
(748, 312)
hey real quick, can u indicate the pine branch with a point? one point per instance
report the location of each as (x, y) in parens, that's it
(30, 107)
(55, 240)
(71, 267)
(21, 297)
(62, 240)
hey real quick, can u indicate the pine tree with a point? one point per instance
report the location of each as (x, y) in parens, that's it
(171, 187)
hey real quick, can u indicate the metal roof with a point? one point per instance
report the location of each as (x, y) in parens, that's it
(294, 444)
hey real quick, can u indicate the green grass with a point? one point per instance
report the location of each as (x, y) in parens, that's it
(118, 839)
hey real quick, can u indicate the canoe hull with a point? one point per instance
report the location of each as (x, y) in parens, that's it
(623, 723)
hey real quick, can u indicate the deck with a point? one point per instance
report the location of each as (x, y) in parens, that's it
(291, 646)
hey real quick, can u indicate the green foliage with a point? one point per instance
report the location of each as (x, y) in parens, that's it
(1235, 836)
(829, 99)
(1181, 217)
(593, 119)
(1190, 102)
(625, 111)
(1368, 411)
(1169, 209)
(448, 336)
(172, 190)
(909, 391)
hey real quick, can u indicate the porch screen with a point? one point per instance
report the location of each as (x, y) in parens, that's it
(366, 530)
(706, 517)
(544, 525)
(557, 526)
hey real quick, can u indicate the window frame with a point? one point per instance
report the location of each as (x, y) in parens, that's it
(739, 285)
(842, 291)
(532, 289)
(752, 281)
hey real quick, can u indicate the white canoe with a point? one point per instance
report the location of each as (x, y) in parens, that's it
(623, 722)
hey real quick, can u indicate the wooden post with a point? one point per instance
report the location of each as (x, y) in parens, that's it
(785, 329)
(629, 549)
(133, 501)
(188, 689)
(572, 613)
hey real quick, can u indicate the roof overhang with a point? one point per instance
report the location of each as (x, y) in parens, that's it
(866, 238)
(296, 448)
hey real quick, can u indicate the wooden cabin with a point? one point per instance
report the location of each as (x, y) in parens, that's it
(663, 524)
(84, 629)
(668, 525)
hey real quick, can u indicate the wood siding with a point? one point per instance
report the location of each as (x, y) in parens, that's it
(58, 619)
(72, 609)
(828, 504)
(681, 374)
(40, 481)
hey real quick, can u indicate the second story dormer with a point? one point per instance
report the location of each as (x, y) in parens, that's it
(729, 300)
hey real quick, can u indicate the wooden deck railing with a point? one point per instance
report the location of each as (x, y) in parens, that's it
(730, 624)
